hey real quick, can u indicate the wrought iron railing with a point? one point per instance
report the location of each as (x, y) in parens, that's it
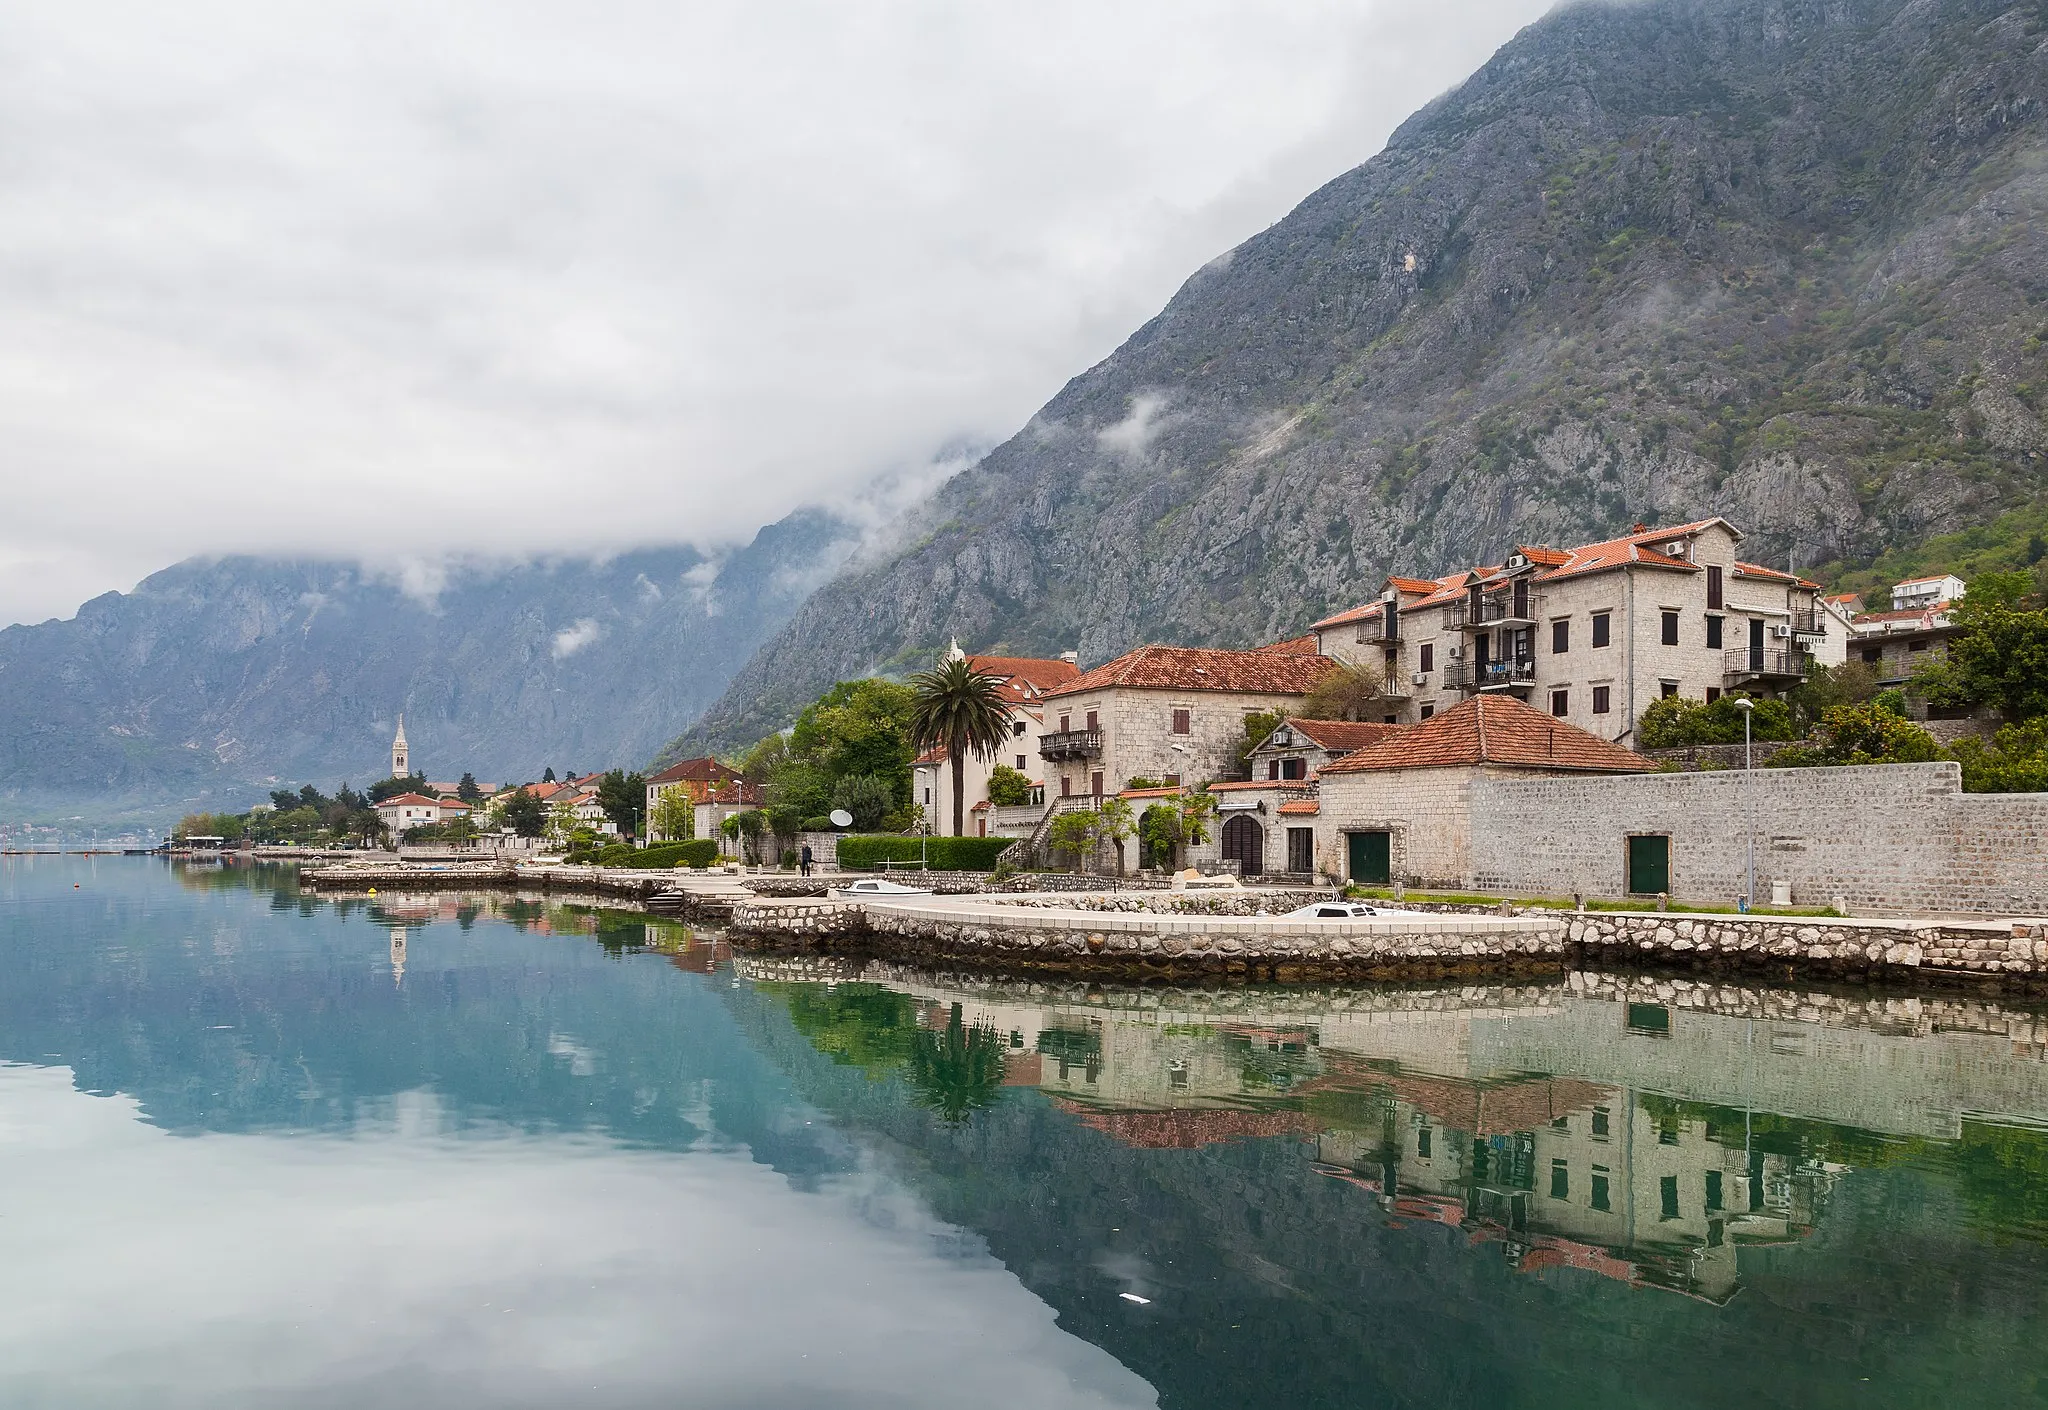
(1765, 662)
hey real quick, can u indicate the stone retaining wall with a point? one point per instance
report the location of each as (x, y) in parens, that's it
(1860, 948)
(1260, 902)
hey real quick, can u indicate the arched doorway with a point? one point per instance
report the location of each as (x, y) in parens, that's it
(1244, 841)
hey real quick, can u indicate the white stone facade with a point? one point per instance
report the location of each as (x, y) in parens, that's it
(1140, 738)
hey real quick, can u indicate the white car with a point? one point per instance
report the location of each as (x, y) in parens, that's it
(1349, 910)
(875, 886)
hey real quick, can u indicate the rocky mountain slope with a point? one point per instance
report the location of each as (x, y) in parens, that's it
(215, 678)
(1785, 260)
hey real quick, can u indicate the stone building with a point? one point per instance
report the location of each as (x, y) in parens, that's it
(1915, 632)
(1168, 713)
(1024, 680)
(1298, 748)
(1401, 809)
(695, 779)
(1591, 635)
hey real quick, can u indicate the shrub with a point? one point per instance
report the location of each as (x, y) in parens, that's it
(940, 853)
(1860, 734)
(2015, 761)
(817, 825)
(866, 797)
(1676, 722)
(1008, 788)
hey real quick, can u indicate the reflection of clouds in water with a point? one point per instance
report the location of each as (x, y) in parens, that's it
(399, 1270)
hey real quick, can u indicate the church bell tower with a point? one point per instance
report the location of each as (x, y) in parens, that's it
(400, 758)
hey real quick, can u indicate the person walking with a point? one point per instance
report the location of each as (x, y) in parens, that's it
(804, 860)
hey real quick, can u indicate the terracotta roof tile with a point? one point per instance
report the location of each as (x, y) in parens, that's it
(1150, 793)
(414, 800)
(704, 770)
(1300, 808)
(1493, 729)
(1772, 575)
(1294, 646)
(1201, 668)
(1363, 612)
(1344, 736)
(1024, 677)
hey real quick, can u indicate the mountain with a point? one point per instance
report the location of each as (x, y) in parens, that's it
(1783, 260)
(215, 680)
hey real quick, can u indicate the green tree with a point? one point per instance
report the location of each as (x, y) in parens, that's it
(2015, 761)
(1861, 734)
(675, 815)
(1075, 833)
(1348, 693)
(1159, 833)
(1999, 658)
(1257, 726)
(1198, 809)
(750, 825)
(392, 787)
(562, 825)
(623, 797)
(956, 708)
(1850, 683)
(1008, 788)
(1675, 722)
(525, 814)
(865, 796)
(467, 790)
(1118, 827)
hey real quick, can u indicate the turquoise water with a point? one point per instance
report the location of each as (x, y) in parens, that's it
(260, 1149)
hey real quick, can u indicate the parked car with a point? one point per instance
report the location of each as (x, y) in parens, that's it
(875, 886)
(1349, 910)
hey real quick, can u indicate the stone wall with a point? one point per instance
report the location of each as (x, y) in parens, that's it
(1900, 837)
(1854, 948)
(1138, 737)
(1262, 902)
(1427, 811)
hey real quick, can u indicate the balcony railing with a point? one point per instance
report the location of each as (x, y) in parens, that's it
(1786, 665)
(1493, 609)
(1071, 744)
(1491, 675)
(1809, 621)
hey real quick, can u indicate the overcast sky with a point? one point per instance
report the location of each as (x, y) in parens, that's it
(407, 280)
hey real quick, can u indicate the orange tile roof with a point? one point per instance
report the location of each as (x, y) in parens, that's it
(1187, 1129)
(1493, 729)
(1173, 792)
(1544, 557)
(412, 800)
(1421, 585)
(705, 770)
(1349, 615)
(1344, 736)
(1238, 785)
(1294, 645)
(1202, 668)
(1300, 808)
(1024, 677)
(1757, 570)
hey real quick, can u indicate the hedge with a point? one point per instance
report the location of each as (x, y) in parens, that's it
(698, 853)
(941, 853)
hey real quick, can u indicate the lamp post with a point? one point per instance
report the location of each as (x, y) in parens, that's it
(1748, 707)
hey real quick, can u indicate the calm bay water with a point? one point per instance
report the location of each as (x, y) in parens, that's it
(257, 1148)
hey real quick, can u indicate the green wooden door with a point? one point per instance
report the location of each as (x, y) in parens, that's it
(1372, 857)
(1649, 865)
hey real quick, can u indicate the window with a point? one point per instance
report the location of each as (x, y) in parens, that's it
(1667, 689)
(1603, 699)
(1294, 768)
(1094, 721)
(1181, 723)
(1422, 1142)
(1560, 1180)
(1428, 712)
(1651, 1020)
(1600, 1116)
(1916, 646)
(1020, 763)
(1426, 656)
(1272, 768)
(1095, 783)
(1173, 780)
(927, 797)
(1390, 719)
(1601, 622)
(1872, 655)
(1599, 1199)
(1667, 1133)
(1714, 588)
(1560, 637)
(1066, 723)
(1671, 629)
(1713, 693)
(1301, 849)
(1562, 1123)
(1713, 631)
(1066, 787)
(1667, 1197)
(1560, 703)
(1019, 730)
(1713, 1190)
(1393, 661)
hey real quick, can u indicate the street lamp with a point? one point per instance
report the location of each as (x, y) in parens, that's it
(1748, 707)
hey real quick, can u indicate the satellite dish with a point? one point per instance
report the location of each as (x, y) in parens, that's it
(841, 818)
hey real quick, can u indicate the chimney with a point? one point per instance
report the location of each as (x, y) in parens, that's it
(1640, 529)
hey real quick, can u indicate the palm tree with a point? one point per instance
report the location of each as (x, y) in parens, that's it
(958, 709)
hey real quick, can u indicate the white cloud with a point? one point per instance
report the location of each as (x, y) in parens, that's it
(572, 639)
(420, 282)
(1130, 437)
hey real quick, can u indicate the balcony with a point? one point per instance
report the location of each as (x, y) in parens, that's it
(1765, 665)
(1492, 675)
(1071, 744)
(1809, 621)
(1500, 609)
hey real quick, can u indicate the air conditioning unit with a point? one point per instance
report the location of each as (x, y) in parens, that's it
(1456, 653)
(1781, 629)
(1419, 678)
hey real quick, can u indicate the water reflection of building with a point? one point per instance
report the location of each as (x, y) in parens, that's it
(1647, 1159)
